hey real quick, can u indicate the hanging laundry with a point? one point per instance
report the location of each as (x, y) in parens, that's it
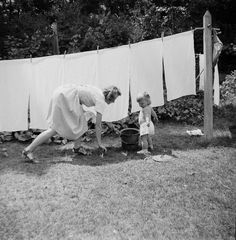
(47, 75)
(217, 48)
(14, 94)
(216, 86)
(179, 65)
(146, 72)
(216, 81)
(201, 71)
(80, 68)
(113, 69)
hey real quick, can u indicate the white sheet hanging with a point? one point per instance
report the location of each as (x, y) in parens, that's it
(201, 70)
(48, 74)
(216, 84)
(146, 72)
(80, 68)
(14, 94)
(179, 65)
(113, 69)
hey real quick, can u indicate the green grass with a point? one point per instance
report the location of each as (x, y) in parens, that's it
(192, 196)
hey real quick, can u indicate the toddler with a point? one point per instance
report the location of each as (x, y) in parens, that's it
(145, 122)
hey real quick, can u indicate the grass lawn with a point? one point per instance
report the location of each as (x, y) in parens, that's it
(122, 196)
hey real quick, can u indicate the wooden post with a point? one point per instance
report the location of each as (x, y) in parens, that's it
(55, 44)
(208, 101)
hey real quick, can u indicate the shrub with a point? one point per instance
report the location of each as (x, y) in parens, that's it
(228, 90)
(188, 109)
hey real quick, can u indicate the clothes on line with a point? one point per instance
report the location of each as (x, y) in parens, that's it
(47, 75)
(146, 72)
(80, 68)
(14, 94)
(113, 69)
(137, 67)
(179, 65)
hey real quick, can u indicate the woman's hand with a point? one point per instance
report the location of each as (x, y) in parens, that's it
(104, 149)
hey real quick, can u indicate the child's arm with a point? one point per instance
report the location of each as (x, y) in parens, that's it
(153, 113)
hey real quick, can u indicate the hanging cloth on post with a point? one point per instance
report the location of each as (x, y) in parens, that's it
(146, 72)
(216, 84)
(217, 48)
(179, 65)
(15, 76)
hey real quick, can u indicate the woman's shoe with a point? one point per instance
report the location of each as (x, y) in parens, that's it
(29, 157)
(80, 150)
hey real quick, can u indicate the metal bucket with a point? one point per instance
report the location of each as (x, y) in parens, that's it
(130, 138)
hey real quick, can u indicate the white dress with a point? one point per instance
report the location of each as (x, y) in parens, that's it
(66, 114)
(144, 128)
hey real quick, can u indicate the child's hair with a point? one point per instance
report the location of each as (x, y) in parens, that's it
(110, 93)
(144, 96)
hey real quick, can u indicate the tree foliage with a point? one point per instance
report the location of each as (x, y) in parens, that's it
(85, 24)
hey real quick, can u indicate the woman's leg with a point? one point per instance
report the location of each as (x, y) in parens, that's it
(41, 138)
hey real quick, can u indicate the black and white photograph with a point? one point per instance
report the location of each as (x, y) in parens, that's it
(117, 119)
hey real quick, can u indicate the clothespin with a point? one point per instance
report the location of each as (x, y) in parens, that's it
(129, 44)
(97, 48)
(162, 35)
(64, 53)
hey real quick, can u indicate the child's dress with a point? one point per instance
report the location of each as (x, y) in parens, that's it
(66, 115)
(143, 114)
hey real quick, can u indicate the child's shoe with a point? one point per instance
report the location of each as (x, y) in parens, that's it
(150, 148)
(144, 151)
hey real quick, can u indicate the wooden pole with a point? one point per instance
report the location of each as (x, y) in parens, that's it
(208, 101)
(55, 44)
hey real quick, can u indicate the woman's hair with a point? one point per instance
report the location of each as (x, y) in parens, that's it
(144, 96)
(111, 93)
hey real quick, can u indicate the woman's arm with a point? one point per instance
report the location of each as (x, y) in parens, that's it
(98, 128)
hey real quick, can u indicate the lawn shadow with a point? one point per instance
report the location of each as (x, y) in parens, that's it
(166, 140)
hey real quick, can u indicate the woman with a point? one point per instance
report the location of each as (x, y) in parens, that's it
(66, 115)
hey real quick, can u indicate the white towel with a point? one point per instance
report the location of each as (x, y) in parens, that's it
(80, 68)
(146, 72)
(14, 94)
(201, 71)
(113, 69)
(48, 74)
(179, 65)
(216, 84)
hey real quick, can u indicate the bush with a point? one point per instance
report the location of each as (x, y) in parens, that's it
(228, 90)
(227, 108)
(188, 109)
